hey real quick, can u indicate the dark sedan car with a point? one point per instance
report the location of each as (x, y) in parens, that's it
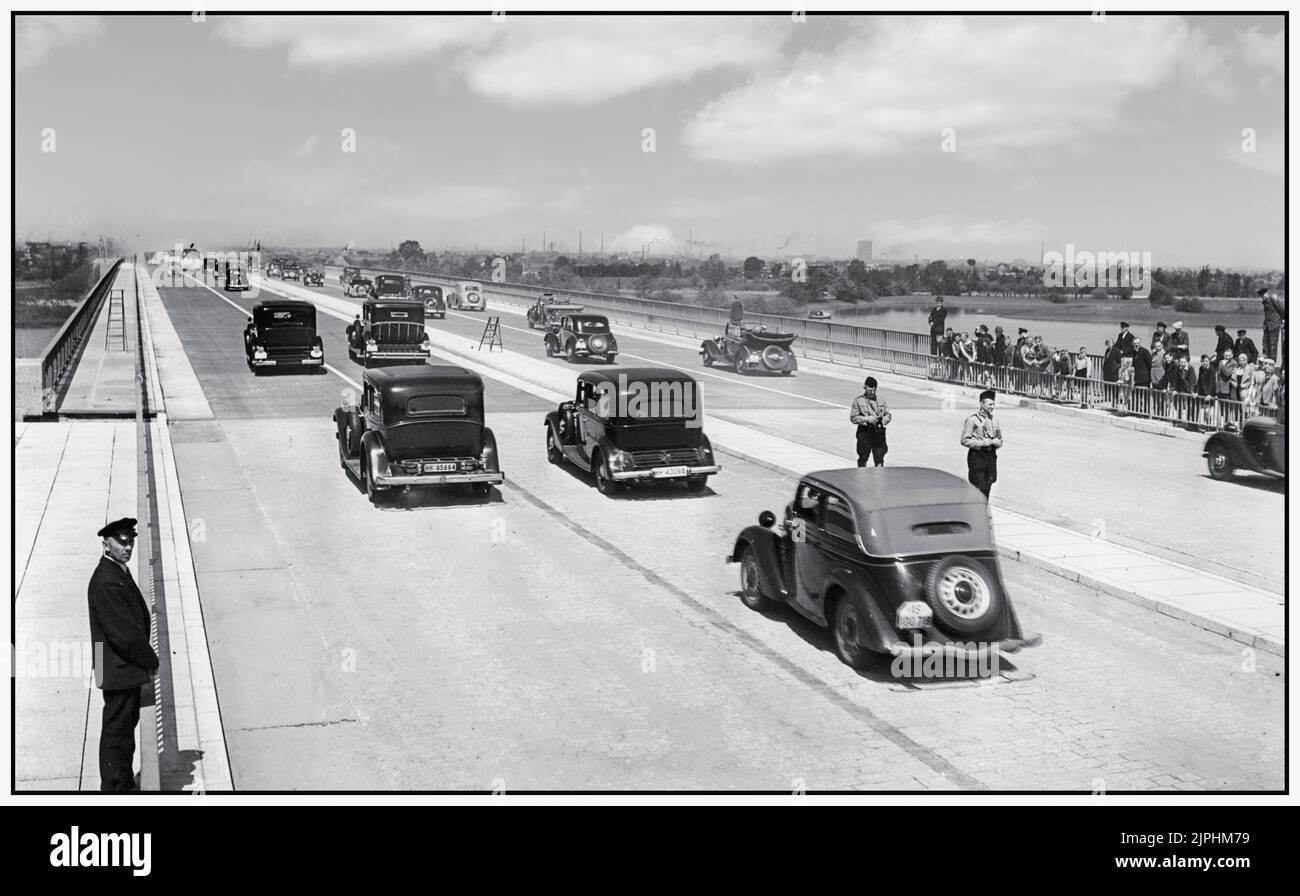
(892, 559)
(431, 297)
(282, 333)
(418, 426)
(1259, 448)
(578, 336)
(633, 424)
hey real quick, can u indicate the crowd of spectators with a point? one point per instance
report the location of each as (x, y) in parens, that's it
(1159, 378)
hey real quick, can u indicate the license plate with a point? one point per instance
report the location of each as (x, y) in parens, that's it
(440, 468)
(913, 615)
(666, 472)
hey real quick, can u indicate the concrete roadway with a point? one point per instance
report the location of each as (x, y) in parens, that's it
(553, 638)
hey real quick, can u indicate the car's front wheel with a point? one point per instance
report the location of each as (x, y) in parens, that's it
(571, 354)
(550, 350)
(706, 358)
(751, 594)
(1219, 463)
(850, 631)
(739, 364)
(553, 453)
(605, 483)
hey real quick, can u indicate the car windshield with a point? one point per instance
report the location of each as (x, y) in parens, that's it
(270, 318)
(591, 325)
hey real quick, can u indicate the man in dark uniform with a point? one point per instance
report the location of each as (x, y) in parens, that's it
(871, 416)
(1224, 341)
(1127, 344)
(938, 322)
(1274, 320)
(982, 436)
(124, 661)
(1245, 345)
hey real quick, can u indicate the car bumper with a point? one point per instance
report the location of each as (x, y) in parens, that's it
(287, 362)
(409, 356)
(489, 476)
(633, 475)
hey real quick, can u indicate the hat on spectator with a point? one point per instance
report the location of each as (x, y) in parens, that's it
(1123, 325)
(1161, 324)
(989, 394)
(123, 528)
(1262, 291)
(1219, 328)
(1024, 330)
(1178, 325)
(1241, 332)
(871, 382)
(1267, 362)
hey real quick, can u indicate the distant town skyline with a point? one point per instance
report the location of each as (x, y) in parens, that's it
(930, 135)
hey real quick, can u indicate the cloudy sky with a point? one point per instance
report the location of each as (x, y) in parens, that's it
(770, 136)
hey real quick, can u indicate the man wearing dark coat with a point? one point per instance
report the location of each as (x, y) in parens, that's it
(1127, 344)
(1274, 320)
(1110, 363)
(1205, 377)
(938, 323)
(123, 658)
(1245, 345)
(1225, 341)
(1141, 366)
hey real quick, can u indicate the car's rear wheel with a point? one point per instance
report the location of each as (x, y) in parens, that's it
(706, 358)
(849, 629)
(963, 594)
(1219, 463)
(751, 594)
(373, 492)
(553, 452)
(571, 354)
(739, 364)
(605, 483)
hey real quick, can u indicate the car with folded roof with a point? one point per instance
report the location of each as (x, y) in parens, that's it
(431, 297)
(347, 274)
(1260, 447)
(416, 427)
(892, 559)
(358, 287)
(580, 336)
(281, 333)
(750, 348)
(633, 425)
(313, 277)
(547, 311)
(291, 271)
(388, 330)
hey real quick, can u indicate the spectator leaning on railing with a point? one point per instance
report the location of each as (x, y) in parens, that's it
(1226, 373)
(1000, 354)
(1268, 390)
(1081, 370)
(1110, 363)
(1018, 350)
(1159, 372)
(1141, 366)
(1205, 376)
(1160, 338)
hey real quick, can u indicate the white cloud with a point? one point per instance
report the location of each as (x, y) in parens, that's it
(897, 83)
(1262, 52)
(524, 59)
(584, 60)
(950, 231)
(35, 37)
(1206, 65)
(332, 41)
(655, 239)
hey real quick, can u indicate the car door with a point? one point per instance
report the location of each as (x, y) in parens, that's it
(590, 425)
(571, 428)
(806, 538)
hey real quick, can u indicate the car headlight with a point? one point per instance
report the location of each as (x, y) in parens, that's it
(582, 343)
(316, 351)
(425, 344)
(371, 345)
(619, 460)
(259, 353)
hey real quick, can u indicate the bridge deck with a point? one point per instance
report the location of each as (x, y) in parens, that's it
(103, 384)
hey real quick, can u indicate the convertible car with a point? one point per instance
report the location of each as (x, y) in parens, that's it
(892, 559)
(746, 349)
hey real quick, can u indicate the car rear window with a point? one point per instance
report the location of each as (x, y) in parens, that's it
(953, 527)
(287, 317)
(436, 406)
(592, 325)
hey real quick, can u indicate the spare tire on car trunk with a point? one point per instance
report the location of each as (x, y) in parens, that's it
(964, 594)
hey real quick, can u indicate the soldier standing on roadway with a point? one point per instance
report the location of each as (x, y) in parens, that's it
(124, 661)
(871, 416)
(938, 322)
(982, 436)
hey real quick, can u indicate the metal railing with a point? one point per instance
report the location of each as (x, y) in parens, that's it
(58, 360)
(902, 353)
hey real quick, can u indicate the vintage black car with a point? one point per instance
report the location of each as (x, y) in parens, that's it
(547, 311)
(273, 268)
(358, 287)
(282, 333)
(236, 279)
(581, 336)
(347, 275)
(388, 330)
(633, 424)
(746, 348)
(1259, 448)
(418, 426)
(291, 272)
(431, 297)
(893, 559)
(390, 286)
(313, 277)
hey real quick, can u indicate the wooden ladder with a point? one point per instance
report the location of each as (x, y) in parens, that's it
(491, 335)
(115, 332)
